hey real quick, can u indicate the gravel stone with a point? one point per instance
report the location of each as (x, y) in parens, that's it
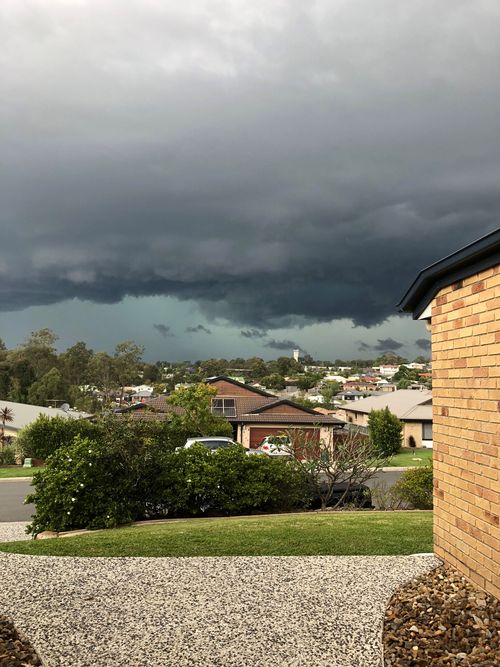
(322, 611)
(13, 531)
(458, 623)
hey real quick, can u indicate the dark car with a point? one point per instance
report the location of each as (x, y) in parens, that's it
(358, 495)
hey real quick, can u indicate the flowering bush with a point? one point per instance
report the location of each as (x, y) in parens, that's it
(96, 484)
(84, 485)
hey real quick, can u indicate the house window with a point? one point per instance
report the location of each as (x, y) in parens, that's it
(224, 406)
(427, 431)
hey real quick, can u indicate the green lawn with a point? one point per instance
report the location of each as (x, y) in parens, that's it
(308, 534)
(411, 457)
(17, 472)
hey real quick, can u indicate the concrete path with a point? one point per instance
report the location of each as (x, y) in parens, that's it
(204, 612)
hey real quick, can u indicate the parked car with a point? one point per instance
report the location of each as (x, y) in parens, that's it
(219, 442)
(276, 445)
(358, 495)
(213, 443)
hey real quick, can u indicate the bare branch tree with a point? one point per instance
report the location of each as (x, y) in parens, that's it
(344, 457)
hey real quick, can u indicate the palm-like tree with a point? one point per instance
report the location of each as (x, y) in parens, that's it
(6, 415)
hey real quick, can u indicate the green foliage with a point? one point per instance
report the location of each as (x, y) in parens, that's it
(7, 456)
(85, 485)
(308, 381)
(106, 481)
(329, 390)
(50, 386)
(415, 487)
(45, 435)
(273, 381)
(197, 418)
(386, 431)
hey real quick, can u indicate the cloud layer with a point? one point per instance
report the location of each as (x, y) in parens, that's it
(279, 164)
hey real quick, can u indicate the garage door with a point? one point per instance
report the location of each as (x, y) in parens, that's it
(258, 434)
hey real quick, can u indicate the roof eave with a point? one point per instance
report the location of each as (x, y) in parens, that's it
(473, 258)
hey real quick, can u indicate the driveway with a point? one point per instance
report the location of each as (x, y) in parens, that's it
(204, 612)
(13, 491)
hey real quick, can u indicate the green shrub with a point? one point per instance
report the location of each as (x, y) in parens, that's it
(386, 431)
(85, 484)
(45, 435)
(7, 456)
(415, 487)
(107, 482)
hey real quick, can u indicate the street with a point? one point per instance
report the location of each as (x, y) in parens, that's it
(12, 494)
(14, 491)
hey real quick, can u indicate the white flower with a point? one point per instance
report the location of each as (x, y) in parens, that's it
(90, 464)
(81, 485)
(70, 460)
(188, 480)
(90, 451)
(107, 517)
(73, 500)
(68, 512)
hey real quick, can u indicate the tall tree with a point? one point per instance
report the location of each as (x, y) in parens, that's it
(127, 363)
(102, 374)
(74, 363)
(50, 387)
(39, 351)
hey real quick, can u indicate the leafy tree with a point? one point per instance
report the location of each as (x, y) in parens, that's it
(50, 387)
(39, 351)
(273, 381)
(127, 360)
(102, 374)
(415, 487)
(74, 363)
(390, 358)
(421, 360)
(308, 381)
(386, 431)
(213, 367)
(257, 368)
(329, 390)
(196, 416)
(22, 377)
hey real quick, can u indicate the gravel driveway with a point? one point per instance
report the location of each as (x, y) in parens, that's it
(204, 612)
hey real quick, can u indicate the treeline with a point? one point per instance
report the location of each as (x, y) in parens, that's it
(35, 373)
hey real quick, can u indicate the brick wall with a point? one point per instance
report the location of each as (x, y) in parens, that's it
(466, 426)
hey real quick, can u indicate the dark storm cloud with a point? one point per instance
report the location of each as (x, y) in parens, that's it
(282, 345)
(199, 328)
(253, 333)
(382, 345)
(423, 344)
(163, 329)
(387, 345)
(279, 164)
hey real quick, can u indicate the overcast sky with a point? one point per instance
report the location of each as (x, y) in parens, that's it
(238, 178)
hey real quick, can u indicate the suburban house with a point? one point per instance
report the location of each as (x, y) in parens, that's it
(459, 300)
(23, 414)
(252, 412)
(413, 408)
(351, 395)
(255, 413)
